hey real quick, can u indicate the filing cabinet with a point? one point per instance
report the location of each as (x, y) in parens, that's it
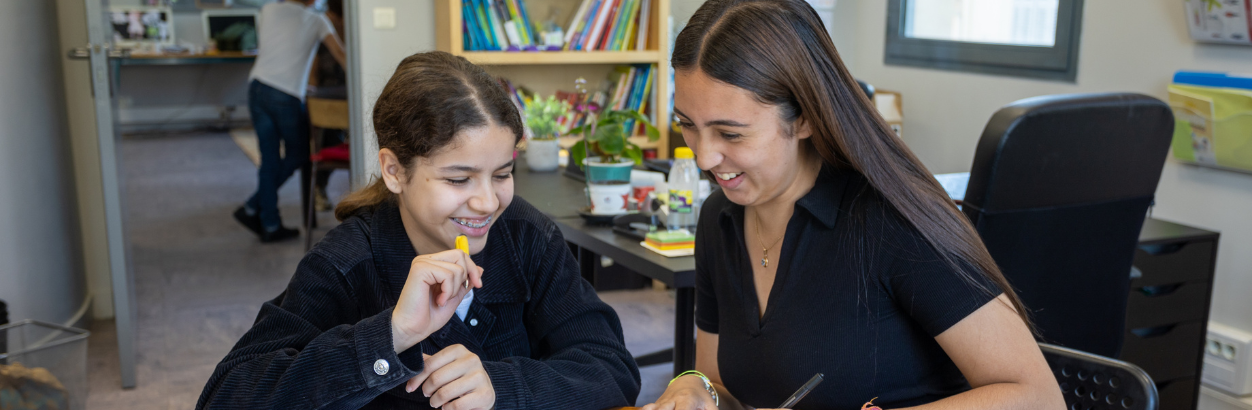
(1168, 308)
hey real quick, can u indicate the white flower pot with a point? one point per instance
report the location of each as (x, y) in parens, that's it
(542, 155)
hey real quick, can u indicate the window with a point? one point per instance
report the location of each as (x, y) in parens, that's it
(1024, 38)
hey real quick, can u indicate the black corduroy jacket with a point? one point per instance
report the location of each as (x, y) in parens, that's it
(544, 337)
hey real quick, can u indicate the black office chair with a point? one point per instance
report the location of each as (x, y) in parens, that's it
(1058, 191)
(1092, 382)
(867, 89)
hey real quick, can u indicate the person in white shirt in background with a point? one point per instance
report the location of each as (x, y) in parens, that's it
(288, 34)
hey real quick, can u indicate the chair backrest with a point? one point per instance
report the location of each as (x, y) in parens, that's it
(1093, 382)
(867, 89)
(1058, 191)
(328, 113)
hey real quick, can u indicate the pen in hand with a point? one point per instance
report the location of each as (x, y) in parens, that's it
(804, 391)
(462, 244)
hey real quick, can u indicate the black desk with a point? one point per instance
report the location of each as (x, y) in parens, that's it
(560, 197)
(555, 195)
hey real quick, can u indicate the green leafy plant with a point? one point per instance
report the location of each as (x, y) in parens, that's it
(606, 136)
(542, 115)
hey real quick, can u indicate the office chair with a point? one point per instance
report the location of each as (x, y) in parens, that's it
(324, 113)
(1058, 191)
(867, 89)
(1092, 382)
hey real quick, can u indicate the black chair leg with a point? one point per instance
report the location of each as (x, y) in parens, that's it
(310, 213)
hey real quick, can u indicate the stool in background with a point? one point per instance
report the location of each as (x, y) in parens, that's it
(324, 113)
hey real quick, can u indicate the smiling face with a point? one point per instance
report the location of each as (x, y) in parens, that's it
(460, 189)
(755, 155)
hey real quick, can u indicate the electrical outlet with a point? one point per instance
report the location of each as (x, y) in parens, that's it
(385, 18)
(1228, 359)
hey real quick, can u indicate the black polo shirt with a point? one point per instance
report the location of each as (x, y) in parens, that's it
(859, 296)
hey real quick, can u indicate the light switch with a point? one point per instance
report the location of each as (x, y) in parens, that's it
(385, 18)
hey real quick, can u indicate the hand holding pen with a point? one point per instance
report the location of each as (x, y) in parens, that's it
(799, 394)
(435, 286)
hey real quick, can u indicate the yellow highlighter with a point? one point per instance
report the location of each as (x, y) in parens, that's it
(462, 243)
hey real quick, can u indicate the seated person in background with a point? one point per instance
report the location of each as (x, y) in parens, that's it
(328, 73)
(830, 248)
(384, 313)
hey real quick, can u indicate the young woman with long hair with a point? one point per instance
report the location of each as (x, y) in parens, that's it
(830, 248)
(385, 313)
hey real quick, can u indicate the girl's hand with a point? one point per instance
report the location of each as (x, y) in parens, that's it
(686, 393)
(434, 288)
(454, 379)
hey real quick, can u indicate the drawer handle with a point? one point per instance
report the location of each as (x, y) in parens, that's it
(1146, 332)
(1160, 290)
(1163, 249)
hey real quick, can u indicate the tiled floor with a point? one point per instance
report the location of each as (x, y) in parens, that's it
(200, 278)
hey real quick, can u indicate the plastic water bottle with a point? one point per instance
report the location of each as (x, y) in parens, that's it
(684, 180)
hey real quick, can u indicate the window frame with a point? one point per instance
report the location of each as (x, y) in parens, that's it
(1059, 62)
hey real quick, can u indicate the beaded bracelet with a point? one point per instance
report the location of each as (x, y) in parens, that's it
(707, 384)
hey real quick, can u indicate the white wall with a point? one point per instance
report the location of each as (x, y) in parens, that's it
(1126, 46)
(377, 52)
(40, 261)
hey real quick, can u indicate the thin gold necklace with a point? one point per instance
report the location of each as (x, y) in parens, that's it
(765, 249)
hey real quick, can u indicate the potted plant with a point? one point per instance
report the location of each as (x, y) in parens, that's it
(607, 156)
(542, 116)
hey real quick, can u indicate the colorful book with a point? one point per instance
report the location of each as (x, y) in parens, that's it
(480, 8)
(531, 33)
(628, 40)
(641, 41)
(610, 28)
(592, 40)
(630, 9)
(574, 23)
(471, 24)
(622, 74)
(516, 18)
(497, 25)
(589, 22)
(510, 30)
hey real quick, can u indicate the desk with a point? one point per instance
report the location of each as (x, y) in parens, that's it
(554, 194)
(559, 197)
(184, 59)
(226, 57)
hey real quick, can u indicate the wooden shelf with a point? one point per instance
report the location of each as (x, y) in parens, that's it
(567, 65)
(641, 140)
(560, 57)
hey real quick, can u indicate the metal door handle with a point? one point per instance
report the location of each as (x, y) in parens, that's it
(79, 53)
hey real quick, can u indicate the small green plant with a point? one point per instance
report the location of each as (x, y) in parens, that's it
(542, 116)
(606, 136)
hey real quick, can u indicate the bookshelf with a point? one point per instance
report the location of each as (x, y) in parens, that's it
(547, 71)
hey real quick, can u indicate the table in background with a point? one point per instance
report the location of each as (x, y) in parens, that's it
(560, 197)
(225, 57)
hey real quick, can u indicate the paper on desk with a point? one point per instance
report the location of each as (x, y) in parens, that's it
(673, 253)
(954, 183)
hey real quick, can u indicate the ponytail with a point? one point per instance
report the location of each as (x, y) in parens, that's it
(373, 194)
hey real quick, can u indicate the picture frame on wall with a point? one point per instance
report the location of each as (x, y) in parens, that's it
(139, 26)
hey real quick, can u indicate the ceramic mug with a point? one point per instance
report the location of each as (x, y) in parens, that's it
(608, 199)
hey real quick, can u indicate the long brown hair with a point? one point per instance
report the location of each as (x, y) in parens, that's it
(780, 51)
(430, 98)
